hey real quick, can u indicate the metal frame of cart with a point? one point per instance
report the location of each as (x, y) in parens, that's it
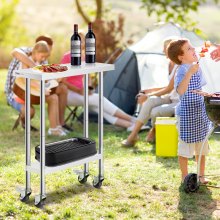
(39, 167)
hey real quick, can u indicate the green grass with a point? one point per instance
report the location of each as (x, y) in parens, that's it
(137, 185)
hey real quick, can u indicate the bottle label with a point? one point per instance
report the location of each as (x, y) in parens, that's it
(90, 46)
(75, 48)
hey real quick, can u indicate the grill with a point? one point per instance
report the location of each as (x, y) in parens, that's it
(212, 104)
(67, 150)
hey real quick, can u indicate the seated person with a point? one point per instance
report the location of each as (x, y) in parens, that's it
(38, 55)
(75, 97)
(159, 103)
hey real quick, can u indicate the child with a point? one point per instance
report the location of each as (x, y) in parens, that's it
(193, 123)
(38, 55)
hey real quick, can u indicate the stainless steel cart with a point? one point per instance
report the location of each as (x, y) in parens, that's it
(39, 167)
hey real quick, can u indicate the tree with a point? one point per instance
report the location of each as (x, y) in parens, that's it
(7, 9)
(175, 11)
(109, 33)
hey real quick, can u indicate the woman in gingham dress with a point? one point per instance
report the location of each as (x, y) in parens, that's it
(193, 123)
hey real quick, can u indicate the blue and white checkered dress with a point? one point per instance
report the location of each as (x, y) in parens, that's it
(194, 122)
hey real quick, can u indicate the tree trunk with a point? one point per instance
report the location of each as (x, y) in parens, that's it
(98, 9)
(81, 12)
(85, 16)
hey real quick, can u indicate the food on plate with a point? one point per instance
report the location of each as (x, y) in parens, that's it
(202, 54)
(207, 43)
(51, 68)
(205, 49)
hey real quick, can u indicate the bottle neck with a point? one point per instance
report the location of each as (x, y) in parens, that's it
(75, 28)
(90, 27)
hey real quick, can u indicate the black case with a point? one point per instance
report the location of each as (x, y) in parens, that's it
(65, 151)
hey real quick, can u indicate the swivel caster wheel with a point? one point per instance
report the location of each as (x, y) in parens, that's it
(83, 179)
(25, 198)
(40, 201)
(97, 183)
(40, 204)
(190, 183)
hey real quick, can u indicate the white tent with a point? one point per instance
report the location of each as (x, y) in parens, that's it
(153, 65)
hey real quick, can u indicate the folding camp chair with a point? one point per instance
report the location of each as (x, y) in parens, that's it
(72, 115)
(17, 122)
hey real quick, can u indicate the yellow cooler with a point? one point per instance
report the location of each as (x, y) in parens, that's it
(166, 137)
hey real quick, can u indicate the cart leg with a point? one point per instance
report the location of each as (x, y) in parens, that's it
(40, 198)
(25, 193)
(97, 182)
(200, 153)
(86, 122)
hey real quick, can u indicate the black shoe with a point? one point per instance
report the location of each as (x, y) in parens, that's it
(67, 127)
(32, 127)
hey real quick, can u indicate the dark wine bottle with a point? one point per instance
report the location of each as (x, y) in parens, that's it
(90, 45)
(75, 47)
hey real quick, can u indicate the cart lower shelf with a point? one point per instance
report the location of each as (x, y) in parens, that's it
(35, 167)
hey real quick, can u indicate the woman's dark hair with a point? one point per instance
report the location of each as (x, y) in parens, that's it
(46, 38)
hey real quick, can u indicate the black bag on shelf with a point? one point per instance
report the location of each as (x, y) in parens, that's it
(66, 151)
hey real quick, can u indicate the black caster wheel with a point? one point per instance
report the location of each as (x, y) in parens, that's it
(190, 183)
(82, 180)
(25, 198)
(97, 184)
(40, 204)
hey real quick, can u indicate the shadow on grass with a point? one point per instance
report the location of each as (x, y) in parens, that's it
(63, 193)
(168, 162)
(198, 205)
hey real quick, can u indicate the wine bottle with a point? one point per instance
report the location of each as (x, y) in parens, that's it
(90, 45)
(75, 47)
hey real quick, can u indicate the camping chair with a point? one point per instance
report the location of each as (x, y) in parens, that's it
(17, 122)
(72, 115)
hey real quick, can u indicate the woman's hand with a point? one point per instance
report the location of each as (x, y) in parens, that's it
(141, 98)
(91, 90)
(215, 54)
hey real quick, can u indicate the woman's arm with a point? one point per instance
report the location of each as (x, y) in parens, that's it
(164, 90)
(22, 57)
(143, 97)
(72, 87)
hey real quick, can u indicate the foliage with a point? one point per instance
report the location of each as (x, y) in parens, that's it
(10, 28)
(109, 32)
(109, 35)
(137, 185)
(7, 8)
(174, 11)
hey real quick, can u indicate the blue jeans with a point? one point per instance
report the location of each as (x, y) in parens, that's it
(16, 105)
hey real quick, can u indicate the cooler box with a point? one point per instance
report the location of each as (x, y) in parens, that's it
(166, 137)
